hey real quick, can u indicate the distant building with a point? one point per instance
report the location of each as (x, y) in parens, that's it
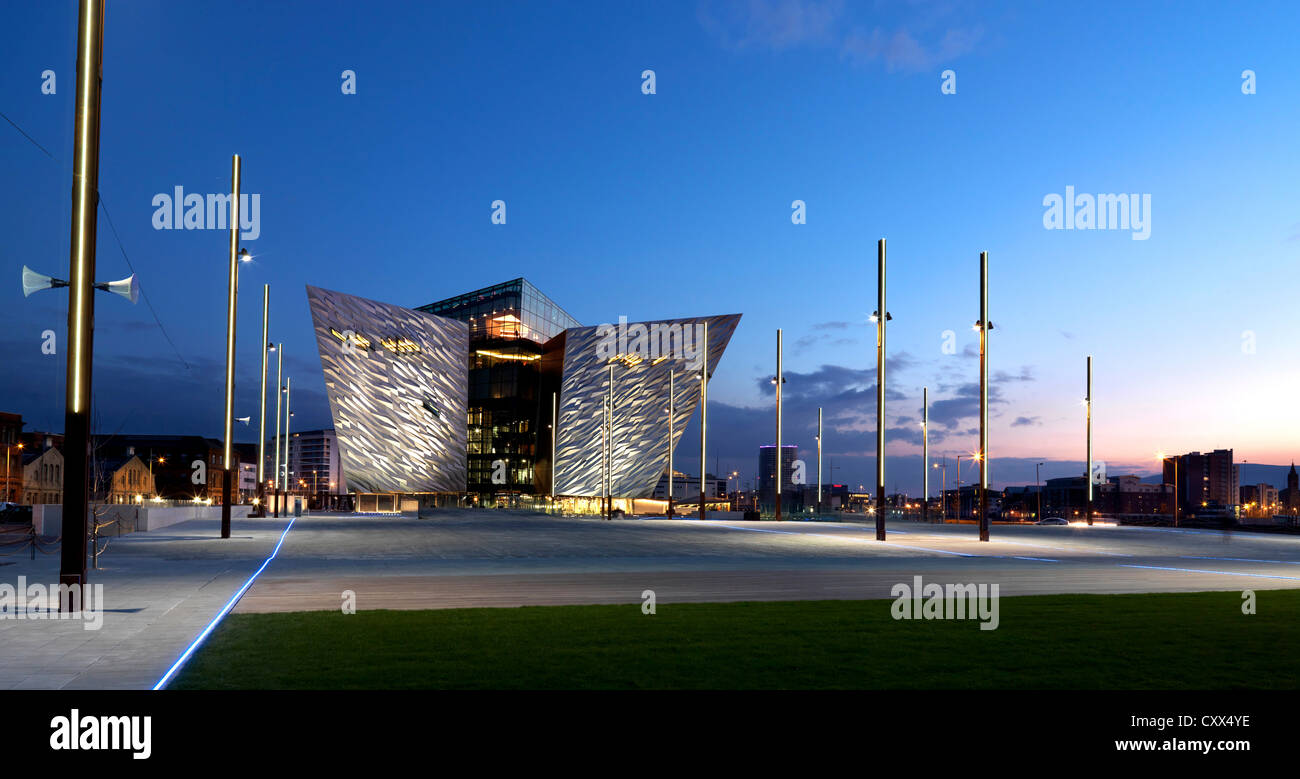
(313, 461)
(835, 497)
(173, 459)
(122, 480)
(247, 480)
(687, 487)
(1289, 498)
(1259, 499)
(43, 477)
(767, 476)
(1130, 495)
(1204, 481)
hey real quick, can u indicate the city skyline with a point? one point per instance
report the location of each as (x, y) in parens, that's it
(641, 205)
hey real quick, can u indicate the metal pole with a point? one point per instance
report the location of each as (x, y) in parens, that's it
(925, 452)
(279, 394)
(881, 316)
(232, 294)
(704, 411)
(555, 429)
(261, 428)
(943, 490)
(1038, 482)
(780, 459)
(819, 462)
(672, 375)
(555, 435)
(985, 326)
(957, 509)
(81, 304)
(1088, 478)
(288, 380)
(609, 446)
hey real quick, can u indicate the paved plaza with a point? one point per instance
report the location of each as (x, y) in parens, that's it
(161, 589)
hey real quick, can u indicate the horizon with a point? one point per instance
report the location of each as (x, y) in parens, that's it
(679, 203)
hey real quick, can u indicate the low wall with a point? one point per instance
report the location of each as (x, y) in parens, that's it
(158, 518)
(47, 519)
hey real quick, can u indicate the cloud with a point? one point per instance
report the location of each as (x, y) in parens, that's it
(1026, 374)
(771, 24)
(928, 35)
(900, 50)
(1026, 422)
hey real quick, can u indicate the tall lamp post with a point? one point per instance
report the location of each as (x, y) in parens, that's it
(1174, 458)
(9, 489)
(943, 489)
(279, 395)
(287, 415)
(819, 462)
(261, 434)
(925, 453)
(778, 380)
(704, 412)
(1088, 476)
(227, 456)
(984, 326)
(555, 433)
(957, 509)
(1038, 482)
(880, 317)
(672, 376)
(81, 305)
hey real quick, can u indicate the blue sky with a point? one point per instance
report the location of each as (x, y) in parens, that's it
(679, 203)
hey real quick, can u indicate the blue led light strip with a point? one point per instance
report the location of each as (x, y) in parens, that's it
(224, 611)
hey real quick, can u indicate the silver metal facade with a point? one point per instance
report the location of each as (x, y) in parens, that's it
(640, 400)
(398, 387)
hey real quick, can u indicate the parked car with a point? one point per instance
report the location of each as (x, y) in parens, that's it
(1052, 521)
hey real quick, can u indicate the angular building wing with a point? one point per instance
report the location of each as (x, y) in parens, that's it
(398, 387)
(638, 358)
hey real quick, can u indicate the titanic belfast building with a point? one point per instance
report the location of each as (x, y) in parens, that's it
(501, 394)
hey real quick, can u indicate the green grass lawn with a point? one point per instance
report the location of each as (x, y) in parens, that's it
(1166, 641)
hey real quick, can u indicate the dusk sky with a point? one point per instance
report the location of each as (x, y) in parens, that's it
(678, 203)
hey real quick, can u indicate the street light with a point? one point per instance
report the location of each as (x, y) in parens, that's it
(984, 325)
(704, 410)
(287, 382)
(232, 295)
(1038, 482)
(9, 490)
(1088, 475)
(261, 435)
(672, 376)
(819, 461)
(880, 316)
(1162, 458)
(778, 380)
(279, 394)
(943, 489)
(925, 453)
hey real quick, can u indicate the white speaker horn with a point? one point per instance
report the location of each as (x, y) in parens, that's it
(127, 288)
(35, 282)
